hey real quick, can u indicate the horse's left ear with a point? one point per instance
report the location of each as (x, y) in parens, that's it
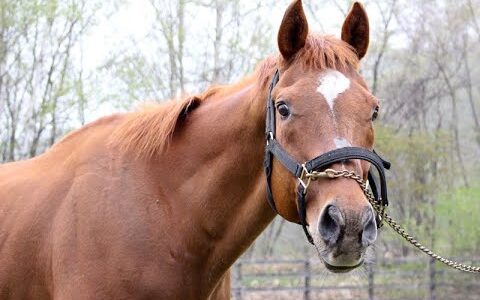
(355, 29)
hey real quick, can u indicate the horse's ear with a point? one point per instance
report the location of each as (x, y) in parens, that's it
(356, 31)
(293, 30)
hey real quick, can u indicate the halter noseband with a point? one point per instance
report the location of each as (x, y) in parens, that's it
(304, 171)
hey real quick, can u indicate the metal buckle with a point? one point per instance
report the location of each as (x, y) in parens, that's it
(304, 178)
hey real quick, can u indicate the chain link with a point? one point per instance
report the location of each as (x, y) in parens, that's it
(384, 217)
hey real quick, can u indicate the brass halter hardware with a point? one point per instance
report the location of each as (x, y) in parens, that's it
(307, 177)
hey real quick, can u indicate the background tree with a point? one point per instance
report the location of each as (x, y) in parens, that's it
(38, 41)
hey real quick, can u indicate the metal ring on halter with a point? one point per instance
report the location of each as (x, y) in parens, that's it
(305, 177)
(269, 137)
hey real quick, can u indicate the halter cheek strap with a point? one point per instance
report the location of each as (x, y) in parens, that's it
(273, 149)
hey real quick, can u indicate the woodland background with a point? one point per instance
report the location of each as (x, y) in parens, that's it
(65, 63)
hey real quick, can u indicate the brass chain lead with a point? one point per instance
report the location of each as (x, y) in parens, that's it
(384, 217)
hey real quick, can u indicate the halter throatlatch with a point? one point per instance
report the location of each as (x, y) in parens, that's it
(309, 170)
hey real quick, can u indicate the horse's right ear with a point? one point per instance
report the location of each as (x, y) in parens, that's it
(293, 30)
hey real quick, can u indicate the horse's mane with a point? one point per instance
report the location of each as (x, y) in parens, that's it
(149, 131)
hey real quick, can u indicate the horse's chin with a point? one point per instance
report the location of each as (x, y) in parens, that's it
(341, 269)
(338, 265)
(344, 263)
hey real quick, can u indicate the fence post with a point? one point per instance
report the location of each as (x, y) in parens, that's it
(432, 280)
(238, 271)
(371, 283)
(306, 291)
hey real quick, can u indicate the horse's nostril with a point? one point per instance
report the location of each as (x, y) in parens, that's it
(331, 222)
(369, 234)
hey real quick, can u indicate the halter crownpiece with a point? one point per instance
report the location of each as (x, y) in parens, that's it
(315, 168)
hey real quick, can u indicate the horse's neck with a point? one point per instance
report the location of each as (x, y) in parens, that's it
(219, 185)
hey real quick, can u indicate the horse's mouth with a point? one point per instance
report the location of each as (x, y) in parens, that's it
(341, 269)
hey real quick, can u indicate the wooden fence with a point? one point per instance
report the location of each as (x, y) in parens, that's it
(405, 278)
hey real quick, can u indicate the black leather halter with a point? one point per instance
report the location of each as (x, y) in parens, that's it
(274, 149)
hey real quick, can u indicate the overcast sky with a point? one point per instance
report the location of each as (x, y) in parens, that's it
(134, 20)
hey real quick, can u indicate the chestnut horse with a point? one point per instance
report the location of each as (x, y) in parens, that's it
(159, 203)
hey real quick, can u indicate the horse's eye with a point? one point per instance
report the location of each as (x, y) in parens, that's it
(375, 113)
(283, 109)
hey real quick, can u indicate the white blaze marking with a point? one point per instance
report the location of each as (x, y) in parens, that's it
(341, 143)
(332, 84)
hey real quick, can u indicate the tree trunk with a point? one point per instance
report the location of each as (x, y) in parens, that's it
(181, 40)
(219, 9)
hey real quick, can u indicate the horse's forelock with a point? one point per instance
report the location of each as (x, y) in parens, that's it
(327, 52)
(319, 53)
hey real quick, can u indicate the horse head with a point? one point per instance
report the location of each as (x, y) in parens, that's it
(322, 103)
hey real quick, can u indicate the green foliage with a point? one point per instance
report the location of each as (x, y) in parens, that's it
(458, 224)
(423, 193)
(417, 159)
(419, 176)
